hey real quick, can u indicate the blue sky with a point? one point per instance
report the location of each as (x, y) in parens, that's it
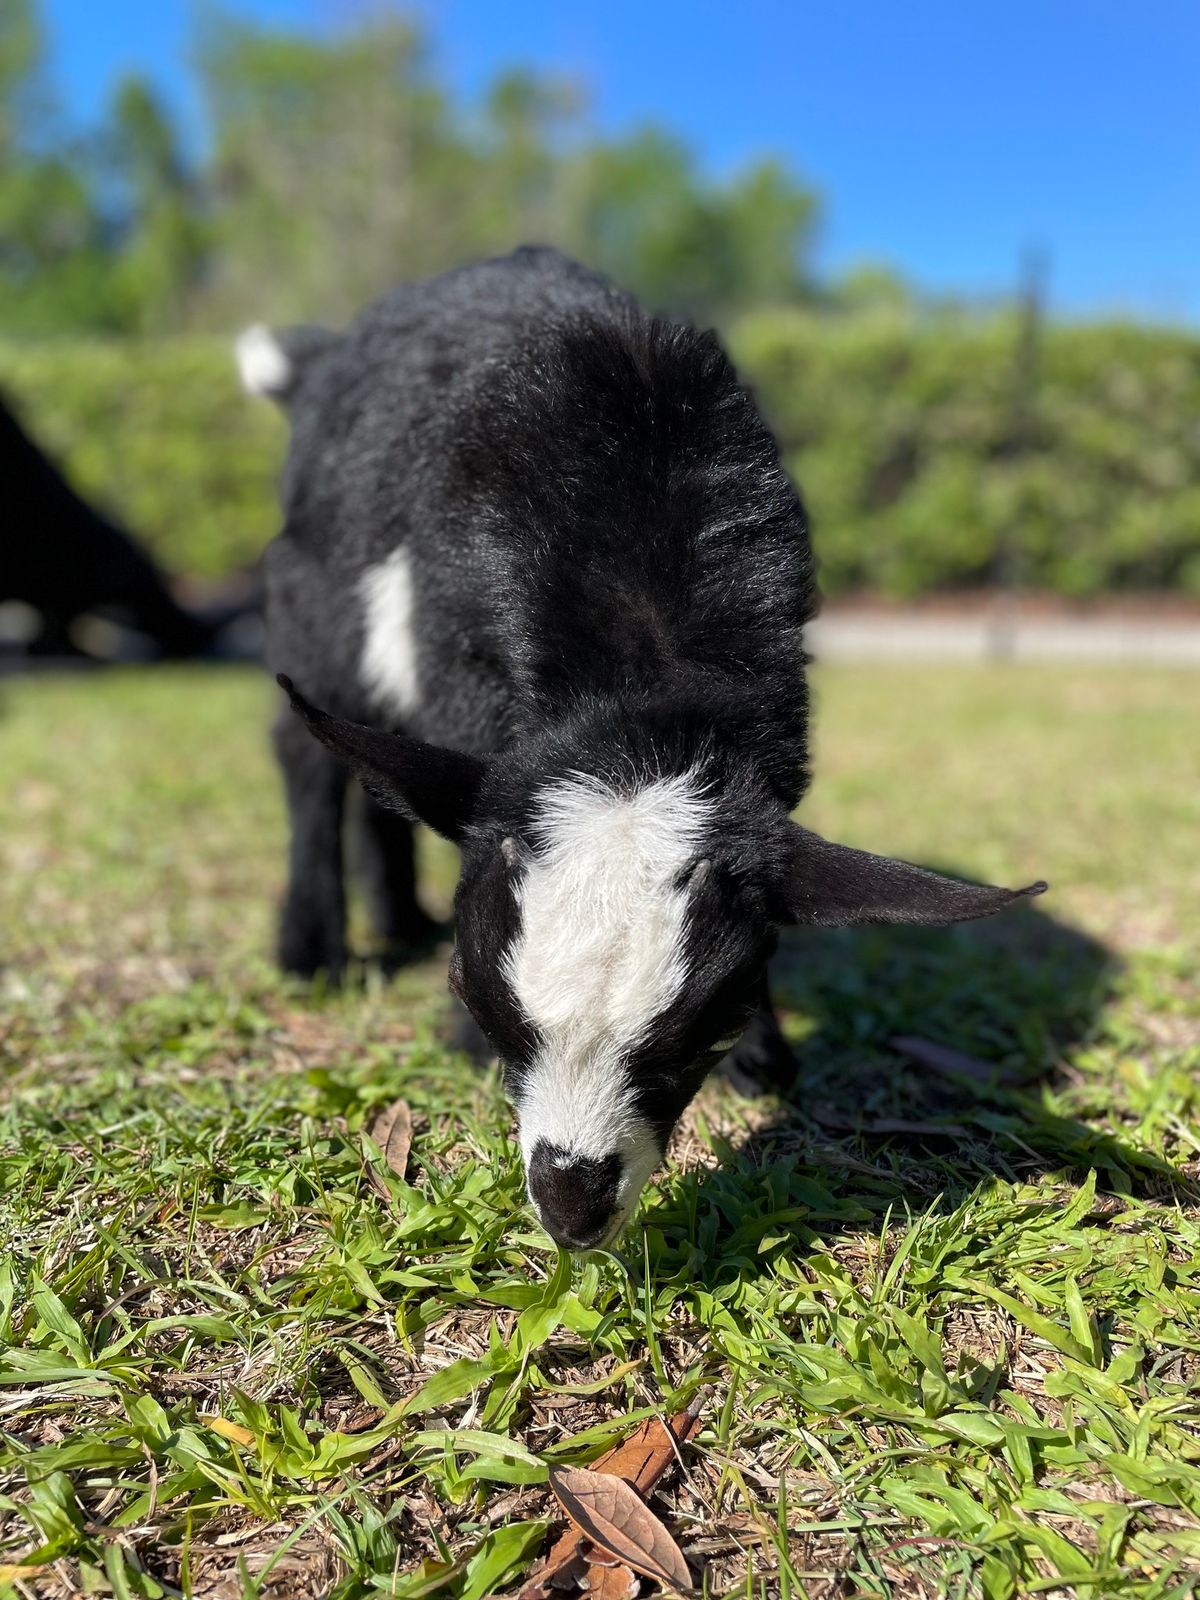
(944, 137)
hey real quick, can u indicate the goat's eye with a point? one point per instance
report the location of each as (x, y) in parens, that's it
(454, 975)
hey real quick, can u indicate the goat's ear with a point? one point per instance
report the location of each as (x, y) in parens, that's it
(833, 886)
(424, 781)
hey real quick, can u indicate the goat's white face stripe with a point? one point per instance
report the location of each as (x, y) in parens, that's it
(599, 956)
(389, 655)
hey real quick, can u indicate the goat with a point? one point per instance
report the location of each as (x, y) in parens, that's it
(547, 579)
(64, 558)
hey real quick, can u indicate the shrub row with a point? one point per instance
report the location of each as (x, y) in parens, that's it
(902, 436)
(160, 435)
(899, 431)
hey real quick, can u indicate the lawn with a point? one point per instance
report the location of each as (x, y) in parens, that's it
(939, 1315)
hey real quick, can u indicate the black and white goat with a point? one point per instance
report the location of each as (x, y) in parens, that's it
(545, 572)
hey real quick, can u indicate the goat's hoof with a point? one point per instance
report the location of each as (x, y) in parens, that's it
(405, 946)
(312, 959)
(758, 1065)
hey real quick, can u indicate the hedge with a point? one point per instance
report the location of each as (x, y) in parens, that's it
(159, 434)
(899, 431)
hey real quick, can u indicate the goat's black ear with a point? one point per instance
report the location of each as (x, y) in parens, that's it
(424, 781)
(833, 886)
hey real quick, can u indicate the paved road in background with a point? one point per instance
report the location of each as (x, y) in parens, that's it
(874, 635)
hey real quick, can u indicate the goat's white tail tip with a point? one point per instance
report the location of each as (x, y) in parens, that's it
(262, 362)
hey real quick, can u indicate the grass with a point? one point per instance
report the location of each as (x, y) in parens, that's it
(948, 1328)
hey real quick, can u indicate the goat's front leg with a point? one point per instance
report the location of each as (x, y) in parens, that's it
(466, 1035)
(762, 1054)
(312, 924)
(387, 864)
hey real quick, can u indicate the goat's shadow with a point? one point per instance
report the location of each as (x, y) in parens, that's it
(877, 1120)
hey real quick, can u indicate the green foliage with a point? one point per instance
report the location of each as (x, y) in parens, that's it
(161, 435)
(339, 164)
(896, 427)
(164, 239)
(342, 165)
(899, 430)
(53, 271)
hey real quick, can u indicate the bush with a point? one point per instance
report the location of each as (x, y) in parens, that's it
(897, 429)
(160, 436)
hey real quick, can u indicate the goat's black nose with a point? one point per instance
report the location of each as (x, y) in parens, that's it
(575, 1196)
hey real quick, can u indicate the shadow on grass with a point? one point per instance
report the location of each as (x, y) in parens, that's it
(876, 1120)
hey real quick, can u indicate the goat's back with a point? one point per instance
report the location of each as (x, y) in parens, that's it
(558, 496)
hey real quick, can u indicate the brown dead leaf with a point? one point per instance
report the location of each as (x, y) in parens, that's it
(941, 1058)
(566, 1567)
(651, 1448)
(569, 1577)
(392, 1131)
(596, 1556)
(641, 1460)
(615, 1582)
(609, 1511)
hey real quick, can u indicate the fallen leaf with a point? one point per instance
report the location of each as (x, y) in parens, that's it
(596, 1556)
(566, 1567)
(392, 1131)
(616, 1582)
(10, 1573)
(228, 1430)
(609, 1511)
(941, 1058)
(569, 1575)
(641, 1460)
(651, 1448)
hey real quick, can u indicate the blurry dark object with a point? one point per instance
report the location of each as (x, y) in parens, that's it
(62, 558)
(1021, 442)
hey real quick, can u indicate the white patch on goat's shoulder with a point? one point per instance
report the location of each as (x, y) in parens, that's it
(599, 956)
(262, 362)
(389, 655)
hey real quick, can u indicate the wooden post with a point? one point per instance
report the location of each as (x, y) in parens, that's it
(1004, 615)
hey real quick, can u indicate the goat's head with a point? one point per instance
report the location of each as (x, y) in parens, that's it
(612, 929)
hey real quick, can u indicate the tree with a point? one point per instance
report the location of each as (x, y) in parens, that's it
(338, 166)
(341, 166)
(52, 258)
(161, 236)
(871, 286)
